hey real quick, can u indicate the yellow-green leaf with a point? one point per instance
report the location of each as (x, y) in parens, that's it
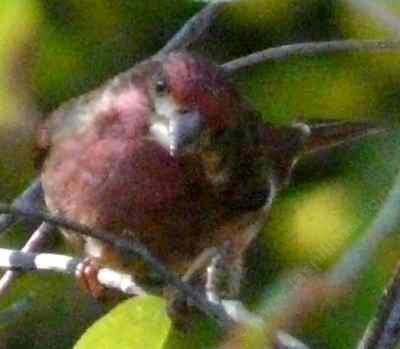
(140, 322)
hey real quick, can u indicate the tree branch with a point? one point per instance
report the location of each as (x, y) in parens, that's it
(309, 49)
(27, 261)
(195, 27)
(20, 261)
(356, 260)
(34, 244)
(214, 311)
(286, 341)
(31, 196)
(383, 332)
(302, 297)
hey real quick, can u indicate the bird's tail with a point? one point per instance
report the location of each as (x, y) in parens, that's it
(285, 145)
(326, 135)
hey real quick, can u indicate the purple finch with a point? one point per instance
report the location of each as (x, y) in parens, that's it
(169, 153)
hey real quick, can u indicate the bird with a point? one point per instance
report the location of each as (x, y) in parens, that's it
(170, 153)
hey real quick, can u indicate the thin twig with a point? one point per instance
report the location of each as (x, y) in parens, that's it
(384, 330)
(194, 27)
(20, 261)
(28, 199)
(34, 244)
(296, 300)
(286, 341)
(212, 310)
(357, 259)
(27, 261)
(378, 10)
(309, 49)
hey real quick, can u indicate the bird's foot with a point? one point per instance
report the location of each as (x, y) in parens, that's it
(180, 309)
(86, 275)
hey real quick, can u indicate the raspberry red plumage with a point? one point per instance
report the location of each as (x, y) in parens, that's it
(170, 152)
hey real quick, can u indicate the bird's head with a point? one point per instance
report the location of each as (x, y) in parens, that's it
(194, 104)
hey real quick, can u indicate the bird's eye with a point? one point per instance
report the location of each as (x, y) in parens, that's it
(161, 86)
(185, 111)
(220, 133)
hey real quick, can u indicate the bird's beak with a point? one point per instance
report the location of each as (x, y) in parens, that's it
(178, 131)
(184, 132)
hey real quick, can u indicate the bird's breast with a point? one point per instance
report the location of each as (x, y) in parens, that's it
(132, 185)
(111, 175)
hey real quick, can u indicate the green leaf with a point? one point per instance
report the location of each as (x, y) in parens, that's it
(203, 333)
(141, 322)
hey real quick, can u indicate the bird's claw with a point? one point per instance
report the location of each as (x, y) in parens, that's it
(86, 275)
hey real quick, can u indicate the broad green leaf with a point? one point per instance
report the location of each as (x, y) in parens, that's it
(140, 322)
(143, 322)
(203, 333)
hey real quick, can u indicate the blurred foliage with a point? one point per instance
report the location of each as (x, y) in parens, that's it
(143, 323)
(53, 50)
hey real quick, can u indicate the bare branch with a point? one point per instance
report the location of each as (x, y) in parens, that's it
(356, 260)
(27, 261)
(240, 314)
(384, 330)
(300, 298)
(195, 27)
(214, 311)
(309, 49)
(377, 10)
(286, 341)
(34, 244)
(28, 199)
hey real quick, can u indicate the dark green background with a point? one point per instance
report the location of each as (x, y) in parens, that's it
(53, 50)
